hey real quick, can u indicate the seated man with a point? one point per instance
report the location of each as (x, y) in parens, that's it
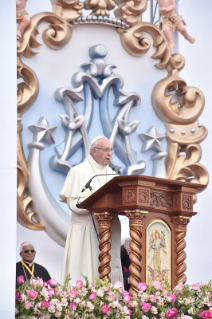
(26, 267)
(82, 247)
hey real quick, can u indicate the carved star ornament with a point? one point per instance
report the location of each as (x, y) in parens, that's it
(152, 140)
(43, 131)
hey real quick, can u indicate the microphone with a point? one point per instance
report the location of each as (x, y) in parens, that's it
(87, 185)
(115, 170)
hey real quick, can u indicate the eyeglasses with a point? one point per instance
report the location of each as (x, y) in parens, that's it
(106, 150)
(29, 250)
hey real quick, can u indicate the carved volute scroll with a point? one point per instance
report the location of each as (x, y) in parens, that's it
(181, 223)
(105, 223)
(136, 223)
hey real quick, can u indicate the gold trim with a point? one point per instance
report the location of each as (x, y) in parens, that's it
(136, 211)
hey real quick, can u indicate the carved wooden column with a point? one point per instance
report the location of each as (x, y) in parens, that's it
(181, 223)
(105, 224)
(136, 223)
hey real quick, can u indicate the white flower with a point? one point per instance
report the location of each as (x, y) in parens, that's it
(84, 291)
(154, 310)
(100, 293)
(133, 303)
(77, 300)
(51, 309)
(201, 305)
(59, 307)
(145, 297)
(145, 317)
(115, 304)
(64, 302)
(16, 311)
(90, 306)
(57, 314)
(53, 301)
(169, 299)
(191, 311)
(206, 300)
(45, 293)
(124, 310)
(23, 297)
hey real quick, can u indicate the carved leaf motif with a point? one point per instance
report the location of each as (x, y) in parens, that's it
(100, 7)
(161, 200)
(68, 10)
(187, 202)
(143, 196)
(129, 196)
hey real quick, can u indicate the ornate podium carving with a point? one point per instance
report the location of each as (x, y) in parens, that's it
(144, 199)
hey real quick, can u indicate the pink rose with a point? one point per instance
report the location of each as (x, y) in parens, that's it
(73, 293)
(173, 297)
(205, 314)
(32, 294)
(73, 305)
(18, 295)
(127, 298)
(145, 306)
(142, 286)
(78, 284)
(196, 286)
(52, 282)
(157, 285)
(27, 305)
(92, 296)
(171, 313)
(110, 296)
(45, 304)
(20, 279)
(124, 292)
(51, 292)
(105, 309)
(118, 285)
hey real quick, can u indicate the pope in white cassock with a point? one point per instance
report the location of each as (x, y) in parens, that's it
(82, 247)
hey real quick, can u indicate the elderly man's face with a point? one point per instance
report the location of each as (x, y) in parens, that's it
(99, 154)
(28, 253)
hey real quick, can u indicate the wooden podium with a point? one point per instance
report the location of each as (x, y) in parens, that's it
(147, 202)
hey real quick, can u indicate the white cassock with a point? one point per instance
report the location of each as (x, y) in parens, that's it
(82, 247)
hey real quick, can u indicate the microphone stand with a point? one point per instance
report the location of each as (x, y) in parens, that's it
(87, 185)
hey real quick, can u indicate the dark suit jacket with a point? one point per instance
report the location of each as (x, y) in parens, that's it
(39, 271)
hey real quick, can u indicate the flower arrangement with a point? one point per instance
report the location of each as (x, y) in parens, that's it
(102, 300)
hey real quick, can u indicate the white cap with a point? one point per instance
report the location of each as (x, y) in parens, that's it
(96, 139)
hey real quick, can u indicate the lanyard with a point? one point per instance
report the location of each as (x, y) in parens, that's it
(29, 270)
